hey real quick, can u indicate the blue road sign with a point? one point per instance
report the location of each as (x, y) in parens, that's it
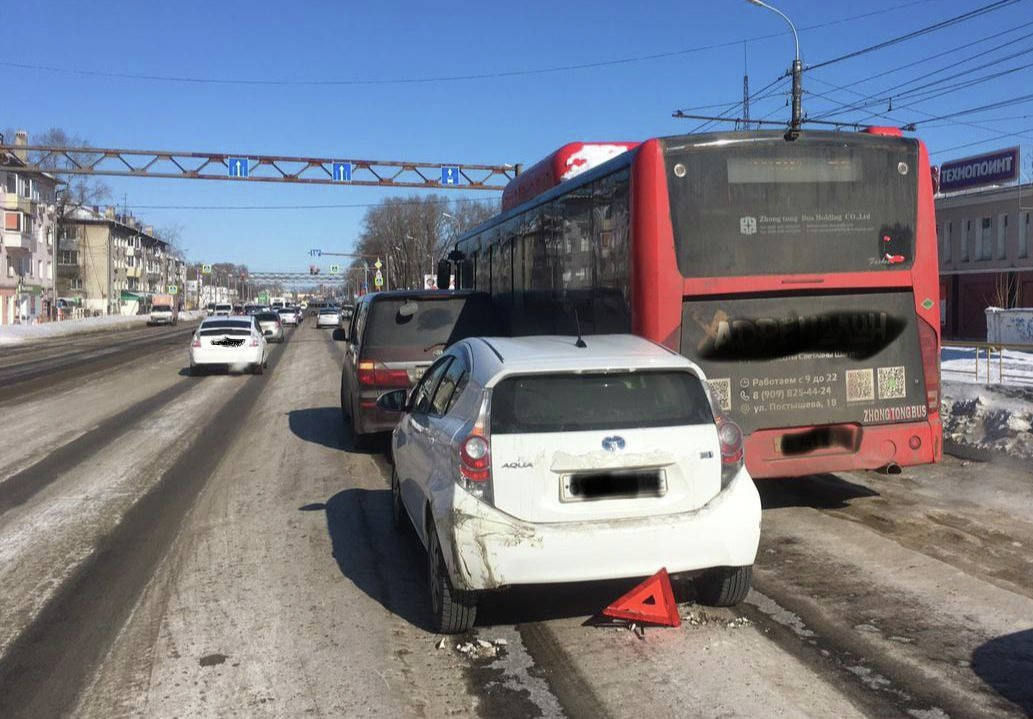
(342, 171)
(449, 175)
(238, 166)
(315, 253)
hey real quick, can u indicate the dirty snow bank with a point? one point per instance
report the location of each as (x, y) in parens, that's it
(995, 415)
(17, 334)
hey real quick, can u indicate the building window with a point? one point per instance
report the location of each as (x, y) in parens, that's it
(13, 221)
(1002, 236)
(968, 240)
(75, 283)
(986, 249)
(1024, 230)
(11, 183)
(948, 239)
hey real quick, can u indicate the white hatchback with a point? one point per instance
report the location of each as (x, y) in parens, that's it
(541, 459)
(233, 343)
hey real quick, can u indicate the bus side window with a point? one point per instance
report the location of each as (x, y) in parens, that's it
(611, 241)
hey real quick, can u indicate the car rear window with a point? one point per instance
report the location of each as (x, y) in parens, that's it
(267, 317)
(437, 322)
(593, 401)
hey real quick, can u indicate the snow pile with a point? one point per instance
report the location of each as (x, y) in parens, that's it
(990, 415)
(16, 334)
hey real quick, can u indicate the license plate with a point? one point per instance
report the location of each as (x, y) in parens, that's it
(591, 486)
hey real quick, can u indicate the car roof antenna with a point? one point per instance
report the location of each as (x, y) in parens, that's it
(580, 342)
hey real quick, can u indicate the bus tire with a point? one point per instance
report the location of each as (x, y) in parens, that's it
(724, 586)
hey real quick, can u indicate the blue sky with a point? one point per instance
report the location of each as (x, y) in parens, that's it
(399, 112)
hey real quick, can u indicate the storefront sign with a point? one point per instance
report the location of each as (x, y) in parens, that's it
(990, 169)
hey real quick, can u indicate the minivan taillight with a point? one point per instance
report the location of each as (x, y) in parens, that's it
(475, 457)
(377, 374)
(930, 365)
(729, 436)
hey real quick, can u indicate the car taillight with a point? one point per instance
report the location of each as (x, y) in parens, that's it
(475, 457)
(254, 341)
(377, 374)
(930, 364)
(196, 342)
(729, 436)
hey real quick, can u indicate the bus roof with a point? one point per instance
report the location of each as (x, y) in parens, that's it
(568, 161)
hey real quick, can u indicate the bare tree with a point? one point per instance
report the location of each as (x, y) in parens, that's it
(80, 190)
(410, 234)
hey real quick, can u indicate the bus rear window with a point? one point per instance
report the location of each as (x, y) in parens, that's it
(595, 401)
(839, 203)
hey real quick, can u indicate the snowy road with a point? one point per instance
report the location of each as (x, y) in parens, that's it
(177, 546)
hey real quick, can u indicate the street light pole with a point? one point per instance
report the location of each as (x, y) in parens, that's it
(797, 72)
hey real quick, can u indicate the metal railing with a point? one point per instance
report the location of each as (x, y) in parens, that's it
(987, 350)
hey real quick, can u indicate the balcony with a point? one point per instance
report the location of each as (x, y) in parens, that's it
(18, 203)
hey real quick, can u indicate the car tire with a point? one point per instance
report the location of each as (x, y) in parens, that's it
(257, 368)
(454, 611)
(196, 370)
(725, 586)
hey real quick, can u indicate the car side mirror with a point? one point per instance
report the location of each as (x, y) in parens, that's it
(393, 401)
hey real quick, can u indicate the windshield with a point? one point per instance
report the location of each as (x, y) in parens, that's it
(161, 308)
(436, 322)
(820, 204)
(611, 400)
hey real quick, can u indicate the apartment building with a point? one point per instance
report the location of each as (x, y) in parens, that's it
(28, 201)
(108, 261)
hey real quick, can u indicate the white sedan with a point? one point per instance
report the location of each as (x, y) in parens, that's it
(536, 460)
(233, 343)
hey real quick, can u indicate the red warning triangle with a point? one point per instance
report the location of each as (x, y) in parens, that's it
(651, 601)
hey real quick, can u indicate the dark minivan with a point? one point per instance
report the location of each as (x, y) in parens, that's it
(394, 336)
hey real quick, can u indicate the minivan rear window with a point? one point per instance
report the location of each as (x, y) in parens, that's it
(437, 322)
(594, 401)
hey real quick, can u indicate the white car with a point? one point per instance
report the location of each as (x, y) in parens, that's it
(233, 343)
(289, 315)
(222, 309)
(328, 316)
(536, 460)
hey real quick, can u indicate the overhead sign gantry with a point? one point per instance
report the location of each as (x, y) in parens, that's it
(62, 160)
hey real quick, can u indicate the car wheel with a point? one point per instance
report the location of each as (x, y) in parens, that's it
(399, 518)
(725, 586)
(257, 368)
(196, 370)
(454, 611)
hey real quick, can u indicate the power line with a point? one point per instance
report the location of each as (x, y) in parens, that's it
(436, 79)
(977, 142)
(310, 207)
(991, 7)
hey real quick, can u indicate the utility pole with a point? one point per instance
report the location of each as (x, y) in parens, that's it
(745, 91)
(796, 121)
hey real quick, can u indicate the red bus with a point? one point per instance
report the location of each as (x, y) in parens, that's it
(800, 275)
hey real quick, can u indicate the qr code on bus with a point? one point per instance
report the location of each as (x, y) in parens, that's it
(891, 383)
(721, 389)
(860, 385)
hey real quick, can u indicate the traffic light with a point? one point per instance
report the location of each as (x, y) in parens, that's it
(313, 270)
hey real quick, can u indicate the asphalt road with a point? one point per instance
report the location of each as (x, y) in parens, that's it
(180, 546)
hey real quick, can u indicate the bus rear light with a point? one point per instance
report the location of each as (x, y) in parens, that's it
(377, 374)
(930, 348)
(915, 442)
(729, 436)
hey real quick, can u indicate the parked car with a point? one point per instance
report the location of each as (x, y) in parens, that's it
(271, 326)
(394, 336)
(232, 343)
(328, 316)
(222, 309)
(533, 460)
(289, 315)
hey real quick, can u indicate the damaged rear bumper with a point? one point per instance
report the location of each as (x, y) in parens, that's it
(492, 550)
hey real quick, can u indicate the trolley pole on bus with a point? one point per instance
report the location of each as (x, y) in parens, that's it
(797, 73)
